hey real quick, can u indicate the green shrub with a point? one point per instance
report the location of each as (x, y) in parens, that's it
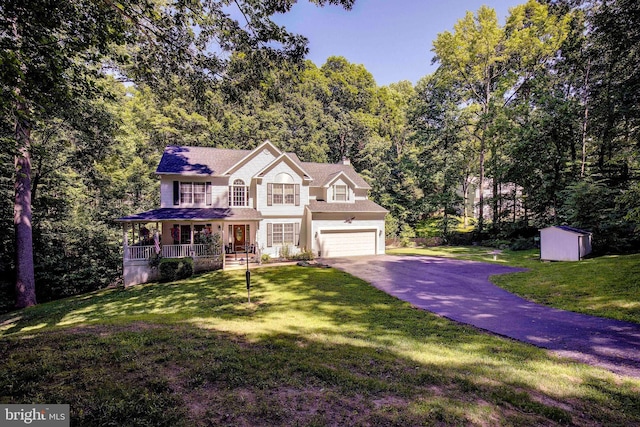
(523, 244)
(406, 235)
(285, 252)
(265, 258)
(175, 268)
(305, 255)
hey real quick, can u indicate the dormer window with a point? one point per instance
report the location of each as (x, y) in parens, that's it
(340, 193)
(238, 194)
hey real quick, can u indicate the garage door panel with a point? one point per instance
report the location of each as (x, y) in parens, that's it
(344, 243)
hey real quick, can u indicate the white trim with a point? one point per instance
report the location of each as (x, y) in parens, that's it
(293, 165)
(251, 154)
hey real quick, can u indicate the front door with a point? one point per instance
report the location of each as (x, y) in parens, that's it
(239, 238)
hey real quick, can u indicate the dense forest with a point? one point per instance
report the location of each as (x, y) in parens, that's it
(542, 113)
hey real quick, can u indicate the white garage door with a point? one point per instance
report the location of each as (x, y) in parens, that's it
(343, 243)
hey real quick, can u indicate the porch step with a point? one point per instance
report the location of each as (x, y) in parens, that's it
(238, 261)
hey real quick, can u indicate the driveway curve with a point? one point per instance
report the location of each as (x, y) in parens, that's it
(461, 291)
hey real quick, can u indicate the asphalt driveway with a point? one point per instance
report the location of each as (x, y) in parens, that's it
(461, 291)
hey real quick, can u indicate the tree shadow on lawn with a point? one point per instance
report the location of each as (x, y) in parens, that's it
(309, 329)
(184, 375)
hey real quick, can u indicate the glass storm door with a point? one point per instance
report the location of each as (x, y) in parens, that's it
(239, 238)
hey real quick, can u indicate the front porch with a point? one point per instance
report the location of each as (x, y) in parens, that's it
(220, 239)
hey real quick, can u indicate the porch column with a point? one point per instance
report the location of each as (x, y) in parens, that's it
(224, 246)
(192, 251)
(125, 240)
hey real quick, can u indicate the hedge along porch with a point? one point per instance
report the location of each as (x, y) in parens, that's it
(206, 235)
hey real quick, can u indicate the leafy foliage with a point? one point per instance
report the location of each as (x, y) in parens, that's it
(175, 269)
(547, 104)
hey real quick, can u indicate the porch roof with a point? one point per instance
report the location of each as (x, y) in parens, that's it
(193, 214)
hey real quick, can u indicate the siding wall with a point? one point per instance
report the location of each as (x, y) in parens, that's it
(218, 189)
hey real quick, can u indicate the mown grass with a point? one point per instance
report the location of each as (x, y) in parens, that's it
(315, 347)
(607, 286)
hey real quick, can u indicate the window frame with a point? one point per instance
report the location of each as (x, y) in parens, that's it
(283, 194)
(283, 233)
(238, 194)
(200, 194)
(184, 193)
(341, 194)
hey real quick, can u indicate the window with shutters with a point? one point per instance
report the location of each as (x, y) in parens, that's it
(282, 234)
(283, 194)
(191, 193)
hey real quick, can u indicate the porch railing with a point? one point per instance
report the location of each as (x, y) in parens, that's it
(169, 251)
(139, 252)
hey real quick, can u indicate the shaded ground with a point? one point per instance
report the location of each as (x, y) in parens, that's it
(461, 291)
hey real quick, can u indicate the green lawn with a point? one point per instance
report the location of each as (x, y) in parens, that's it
(315, 347)
(607, 286)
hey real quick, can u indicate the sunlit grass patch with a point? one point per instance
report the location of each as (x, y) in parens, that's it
(314, 347)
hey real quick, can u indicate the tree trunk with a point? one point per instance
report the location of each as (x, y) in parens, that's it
(481, 187)
(25, 280)
(585, 119)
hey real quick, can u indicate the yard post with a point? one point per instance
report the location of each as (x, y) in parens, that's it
(248, 275)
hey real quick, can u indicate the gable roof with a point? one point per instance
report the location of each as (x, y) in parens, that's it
(266, 145)
(285, 157)
(323, 174)
(209, 161)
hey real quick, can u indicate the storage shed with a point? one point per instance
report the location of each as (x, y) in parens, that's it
(563, 243)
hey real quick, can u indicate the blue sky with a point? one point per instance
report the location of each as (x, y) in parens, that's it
(391, 38)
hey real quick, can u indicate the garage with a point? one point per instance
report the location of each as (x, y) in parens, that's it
(345, 243)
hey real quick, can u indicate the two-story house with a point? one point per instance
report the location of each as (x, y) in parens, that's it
(259, 201)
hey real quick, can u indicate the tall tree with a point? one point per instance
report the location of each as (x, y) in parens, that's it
(491, 63)
(53, 52)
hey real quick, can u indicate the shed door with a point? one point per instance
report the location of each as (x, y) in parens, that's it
(344, 243)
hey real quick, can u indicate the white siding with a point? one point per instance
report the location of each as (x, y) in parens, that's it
(274, 250)
(282, 210)
(248, 170)
(218, 189)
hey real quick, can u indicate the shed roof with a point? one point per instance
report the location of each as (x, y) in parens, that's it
(569, 229)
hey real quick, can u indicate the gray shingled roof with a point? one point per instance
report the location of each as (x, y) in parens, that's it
(322, 173)
(211, 161)
(192, 214)
(198, 160)
(356, 206)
